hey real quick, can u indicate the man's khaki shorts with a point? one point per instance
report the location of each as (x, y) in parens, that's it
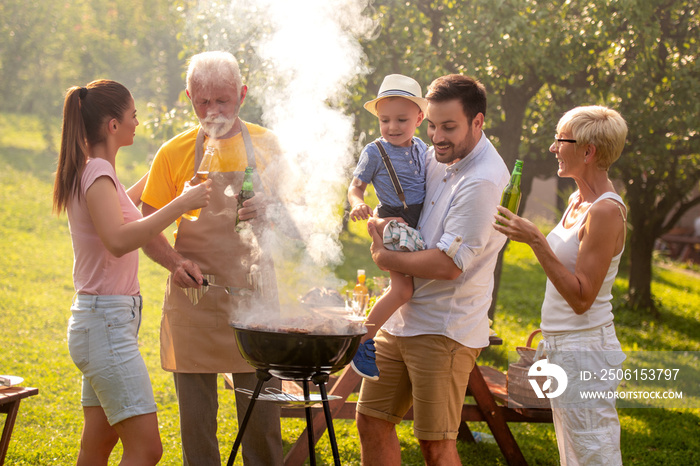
(430, 372)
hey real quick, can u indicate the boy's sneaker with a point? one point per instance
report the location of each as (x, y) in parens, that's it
(364, 361)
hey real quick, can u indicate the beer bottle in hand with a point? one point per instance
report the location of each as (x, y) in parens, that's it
(512, 194)
(201, 176)
(245, 194)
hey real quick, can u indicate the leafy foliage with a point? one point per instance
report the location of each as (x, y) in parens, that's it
(46, 48)
(539, 59)
(658, 96)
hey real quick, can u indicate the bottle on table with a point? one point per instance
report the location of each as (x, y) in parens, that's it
(201, 176)
(510, 199)
(245, 194)
(360, 294)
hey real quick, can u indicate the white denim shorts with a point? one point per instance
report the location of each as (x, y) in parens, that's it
(103, 343)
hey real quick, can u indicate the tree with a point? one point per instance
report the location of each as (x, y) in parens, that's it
(539, 59)
(524, 53)
(47, 48)
(656, 82)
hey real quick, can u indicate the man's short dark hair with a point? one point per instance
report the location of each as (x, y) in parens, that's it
(466, 89)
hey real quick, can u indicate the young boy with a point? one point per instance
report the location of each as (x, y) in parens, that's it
(400, 108)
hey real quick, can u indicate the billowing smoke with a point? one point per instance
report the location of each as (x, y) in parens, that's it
(299, 60)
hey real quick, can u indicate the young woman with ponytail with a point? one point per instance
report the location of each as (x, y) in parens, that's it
(106, 230)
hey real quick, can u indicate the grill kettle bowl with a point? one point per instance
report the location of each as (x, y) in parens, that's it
(291, 355)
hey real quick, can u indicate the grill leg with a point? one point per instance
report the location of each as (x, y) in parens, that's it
(309, 426)
(320, 380)
(263, 376)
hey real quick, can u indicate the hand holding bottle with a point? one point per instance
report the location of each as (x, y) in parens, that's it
(252, 207)
(209, 162)
(246, 209)
(194, 197)
(517, 228)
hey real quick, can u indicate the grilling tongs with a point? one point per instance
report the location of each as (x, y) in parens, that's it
(231, 290)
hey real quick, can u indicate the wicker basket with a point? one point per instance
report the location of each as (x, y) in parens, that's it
(519, 388)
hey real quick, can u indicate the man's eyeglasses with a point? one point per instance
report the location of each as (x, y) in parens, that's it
(558, 141)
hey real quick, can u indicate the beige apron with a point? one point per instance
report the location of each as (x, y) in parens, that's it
(198, 338)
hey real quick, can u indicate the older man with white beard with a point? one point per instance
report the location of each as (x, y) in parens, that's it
(196, 341)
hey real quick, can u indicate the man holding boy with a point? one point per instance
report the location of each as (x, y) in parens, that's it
(427, 349)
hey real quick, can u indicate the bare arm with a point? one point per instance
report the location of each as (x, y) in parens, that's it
(603, 234)
(356, 198)
(136, 190)
(120, 237)
(432, 264)
(186, 274)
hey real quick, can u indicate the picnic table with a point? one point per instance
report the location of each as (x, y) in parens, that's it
(10, 399)
(487, 386)
(683, 247)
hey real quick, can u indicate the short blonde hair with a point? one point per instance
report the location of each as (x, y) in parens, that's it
(208, 68)
(601, 126)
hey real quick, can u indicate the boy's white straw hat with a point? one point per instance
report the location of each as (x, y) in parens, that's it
(398, 85)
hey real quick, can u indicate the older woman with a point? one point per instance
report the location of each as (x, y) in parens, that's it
(580, 257)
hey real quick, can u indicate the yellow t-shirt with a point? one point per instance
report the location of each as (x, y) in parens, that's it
(174, 162)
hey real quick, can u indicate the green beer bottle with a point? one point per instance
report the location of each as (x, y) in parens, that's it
(245, 194)
(510, 199)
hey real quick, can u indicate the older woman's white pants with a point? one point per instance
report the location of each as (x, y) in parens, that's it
(588, 431)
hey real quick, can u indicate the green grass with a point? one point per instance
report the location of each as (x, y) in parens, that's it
(36, 291)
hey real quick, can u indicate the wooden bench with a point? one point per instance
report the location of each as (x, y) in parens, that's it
(10, 399)
(496, 382)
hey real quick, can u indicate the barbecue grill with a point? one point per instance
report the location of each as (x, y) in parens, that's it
(295, 356)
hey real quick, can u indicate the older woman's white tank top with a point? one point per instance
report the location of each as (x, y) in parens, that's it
(557, 315)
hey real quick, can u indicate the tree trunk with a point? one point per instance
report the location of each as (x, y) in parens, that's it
(497, 283)
(515, 101)
(641, 249)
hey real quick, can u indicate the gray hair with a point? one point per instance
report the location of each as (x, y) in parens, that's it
(601, 126)
(208, 68)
